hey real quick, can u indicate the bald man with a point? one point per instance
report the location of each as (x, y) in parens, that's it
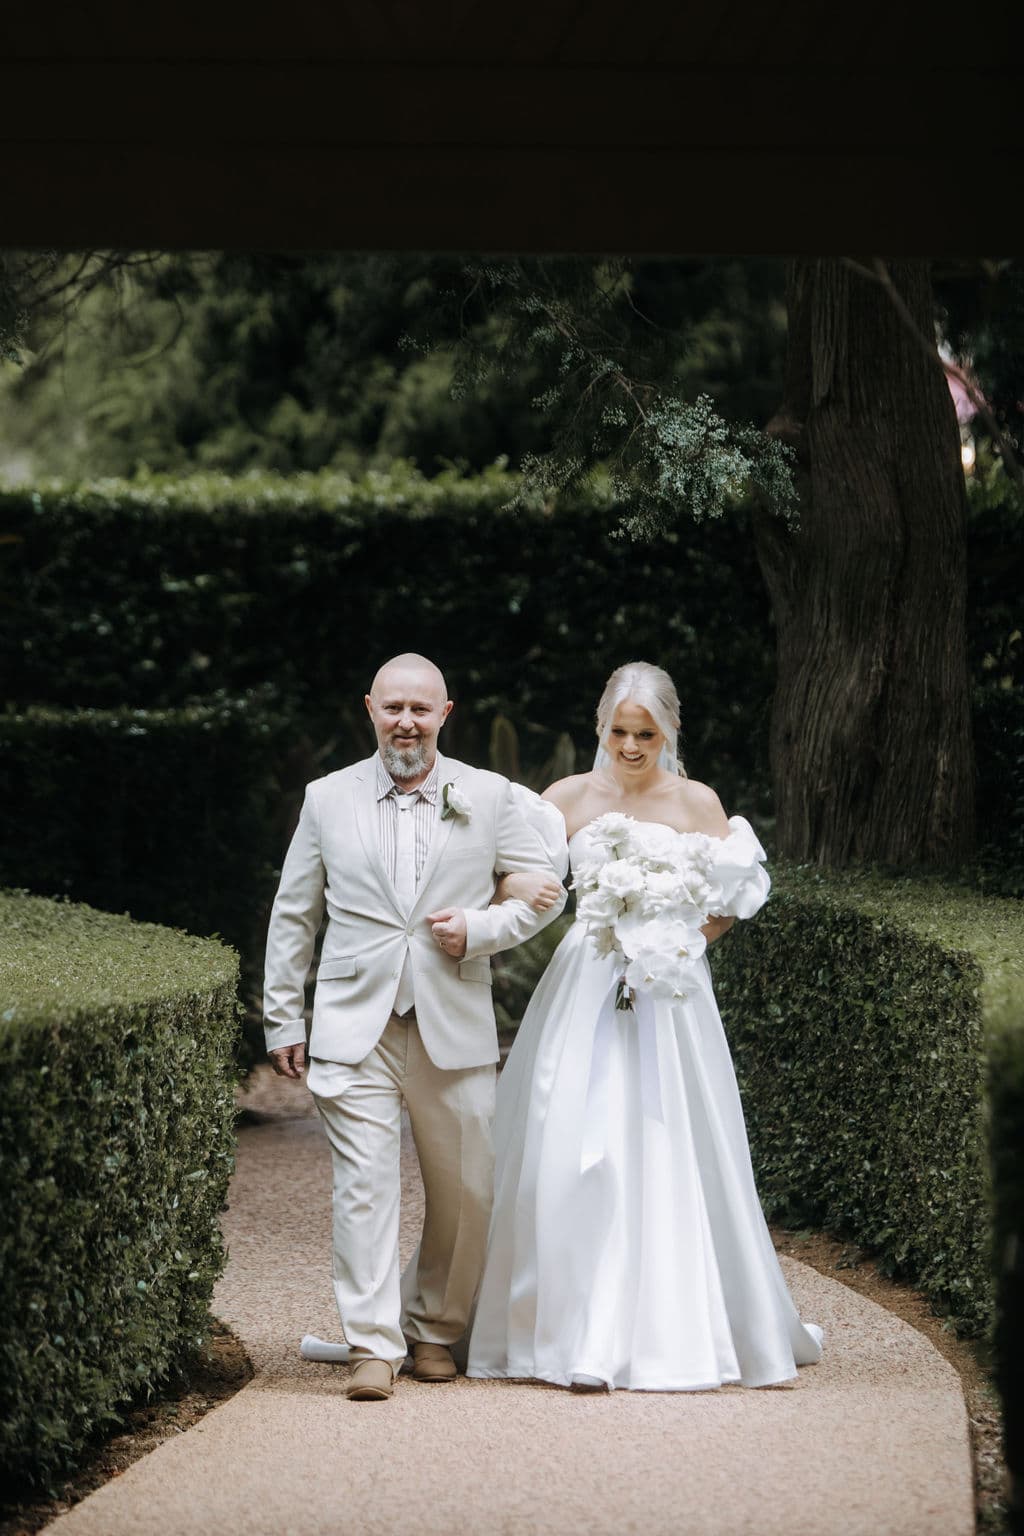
(404, 849)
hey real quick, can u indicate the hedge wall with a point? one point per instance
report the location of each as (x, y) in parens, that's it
(877, 1026)
(116, 1145)
(1006, 1092)
(153, 594)
(173, 815)
(999, 753)
(858, 1008)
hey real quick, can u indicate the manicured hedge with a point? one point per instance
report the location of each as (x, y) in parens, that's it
(999, 752)
(116, 1145)
(877, 1025)
(1006, 1092)
(152, 594)
(172, 816)
(860, 1011)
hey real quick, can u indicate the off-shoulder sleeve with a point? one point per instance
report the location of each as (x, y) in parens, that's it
(549, 824)
(739, 868)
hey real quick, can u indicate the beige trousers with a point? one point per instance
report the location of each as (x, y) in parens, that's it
(451, 1115)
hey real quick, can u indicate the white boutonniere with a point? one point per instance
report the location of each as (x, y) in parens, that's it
(455, 803)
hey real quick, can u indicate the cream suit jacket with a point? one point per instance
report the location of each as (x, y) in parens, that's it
(334, 860)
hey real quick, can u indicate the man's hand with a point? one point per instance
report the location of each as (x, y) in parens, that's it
(449, 930)
(290, 1060)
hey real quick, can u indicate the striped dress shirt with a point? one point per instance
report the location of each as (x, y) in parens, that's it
(424, 815)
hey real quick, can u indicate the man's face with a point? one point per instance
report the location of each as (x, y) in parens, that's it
(408, 708)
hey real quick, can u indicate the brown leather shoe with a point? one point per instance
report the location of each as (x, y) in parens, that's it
(371, 1381)
(433, 1362)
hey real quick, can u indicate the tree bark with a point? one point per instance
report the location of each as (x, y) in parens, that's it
(870, 738)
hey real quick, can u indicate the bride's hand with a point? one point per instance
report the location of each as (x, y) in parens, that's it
(715, 927)
(538, 891)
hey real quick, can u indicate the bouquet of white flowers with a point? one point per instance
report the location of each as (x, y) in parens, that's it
(644, 894)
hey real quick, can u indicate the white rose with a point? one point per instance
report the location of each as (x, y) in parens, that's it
(657, 843)
(598, 906)
(585, 873)
(612, 830)
(456, 801)
(621, 878)
(662, 890)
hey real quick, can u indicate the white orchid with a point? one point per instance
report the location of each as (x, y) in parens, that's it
(605, 942)
(661, 975)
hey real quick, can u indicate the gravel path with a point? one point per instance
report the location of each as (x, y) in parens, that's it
(871, 1442)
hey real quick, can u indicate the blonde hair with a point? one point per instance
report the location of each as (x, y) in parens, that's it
(651, 687)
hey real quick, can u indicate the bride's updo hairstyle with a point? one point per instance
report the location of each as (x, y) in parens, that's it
(651, 687)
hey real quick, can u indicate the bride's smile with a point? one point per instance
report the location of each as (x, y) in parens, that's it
(634, 740)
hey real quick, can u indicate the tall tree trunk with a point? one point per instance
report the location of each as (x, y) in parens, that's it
(870, 738)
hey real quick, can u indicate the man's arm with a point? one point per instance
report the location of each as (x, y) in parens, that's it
(519, 849)
(294, 921)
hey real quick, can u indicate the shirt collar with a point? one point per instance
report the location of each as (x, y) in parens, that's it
(387, 786)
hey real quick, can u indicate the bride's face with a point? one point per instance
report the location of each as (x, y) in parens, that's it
(633, 741)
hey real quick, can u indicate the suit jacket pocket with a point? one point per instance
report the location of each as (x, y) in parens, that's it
(476, 970)
(331, 970)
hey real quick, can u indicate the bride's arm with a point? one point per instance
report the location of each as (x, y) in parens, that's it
(536, 890)
(707, 811)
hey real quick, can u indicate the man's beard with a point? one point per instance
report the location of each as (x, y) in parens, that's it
(407, 764)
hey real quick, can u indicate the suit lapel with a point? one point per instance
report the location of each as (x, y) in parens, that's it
(446, 774)
(366, 825)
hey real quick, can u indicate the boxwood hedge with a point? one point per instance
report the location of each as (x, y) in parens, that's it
(877, 1026)
(152, 593)
(862, 1013)
(173, 816)
(116, 1145)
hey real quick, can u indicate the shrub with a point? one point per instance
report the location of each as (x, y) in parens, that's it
(857, 1008)
(1006, 1090)
(877, 1026)
(999, 750)
(116, 1145)
(151, 594)
(171, 815)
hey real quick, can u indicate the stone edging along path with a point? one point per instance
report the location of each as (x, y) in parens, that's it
(874, 1440)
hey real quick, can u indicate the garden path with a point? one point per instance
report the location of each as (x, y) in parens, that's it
(873, 1440)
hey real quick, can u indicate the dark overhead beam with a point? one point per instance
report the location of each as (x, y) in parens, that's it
(305, 196)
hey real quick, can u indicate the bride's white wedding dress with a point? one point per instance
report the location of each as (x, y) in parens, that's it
(627, 1242)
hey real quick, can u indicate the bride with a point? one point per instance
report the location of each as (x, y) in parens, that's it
(627, 1246)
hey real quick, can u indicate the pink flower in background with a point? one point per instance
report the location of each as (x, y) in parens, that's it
(966, 410)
